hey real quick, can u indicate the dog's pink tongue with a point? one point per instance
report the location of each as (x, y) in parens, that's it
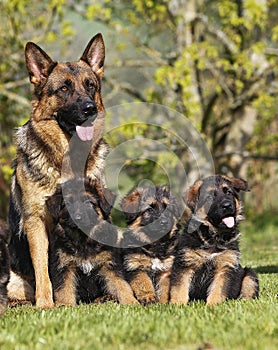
(229, 222)
(85, 133)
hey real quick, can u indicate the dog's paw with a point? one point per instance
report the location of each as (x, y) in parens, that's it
(44, 303)
(146, 297)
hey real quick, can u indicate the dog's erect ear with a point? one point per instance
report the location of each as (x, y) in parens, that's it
(238, 184)
(94, 54)
(107, 200)
(53, 204)
(131, 204)
(191, 196)
(38, 63)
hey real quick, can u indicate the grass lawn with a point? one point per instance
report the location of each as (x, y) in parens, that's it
(230, 325)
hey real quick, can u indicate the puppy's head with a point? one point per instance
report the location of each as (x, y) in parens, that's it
(216, 199)
(80, 203)
(151, 207)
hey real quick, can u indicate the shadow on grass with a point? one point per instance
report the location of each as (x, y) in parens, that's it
(267, 269)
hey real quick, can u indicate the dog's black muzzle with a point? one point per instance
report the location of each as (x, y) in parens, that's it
(77, 114)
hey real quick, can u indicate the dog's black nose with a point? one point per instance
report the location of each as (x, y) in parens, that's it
(227, 205)
(89, 110)
(163, 221)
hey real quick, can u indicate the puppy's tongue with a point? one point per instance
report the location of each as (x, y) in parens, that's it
(229, 221)
(85, 133)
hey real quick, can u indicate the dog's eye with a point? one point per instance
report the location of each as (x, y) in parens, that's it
(64, 88)
(89, 84)
(227, 191)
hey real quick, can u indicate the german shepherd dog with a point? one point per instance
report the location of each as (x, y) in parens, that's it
(80, 258)
(149, 241)
(207, 258)
(67, 101)
(4, 266)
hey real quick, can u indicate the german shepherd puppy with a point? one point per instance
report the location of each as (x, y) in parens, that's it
(207, 258)
(149, 241)
(4, 266)
(82, 259)
(67, 101)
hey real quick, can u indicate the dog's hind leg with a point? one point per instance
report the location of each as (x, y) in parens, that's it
(20, 291)
(250, 285)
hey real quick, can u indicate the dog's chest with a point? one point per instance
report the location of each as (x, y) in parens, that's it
(138, 261)
(196, 258)
(86, 263)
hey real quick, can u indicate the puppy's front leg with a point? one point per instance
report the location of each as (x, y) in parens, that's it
(117, 286)
(180, 285)
(65, 294)
(142, 287)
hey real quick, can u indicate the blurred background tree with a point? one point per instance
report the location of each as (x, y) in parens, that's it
(213, 61)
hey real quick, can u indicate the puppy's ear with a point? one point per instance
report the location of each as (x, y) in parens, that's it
(107, 200)
(131, 204)
(54, 202)
(191, 196)
(238, 184)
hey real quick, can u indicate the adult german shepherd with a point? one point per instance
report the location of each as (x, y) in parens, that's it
(67, 100)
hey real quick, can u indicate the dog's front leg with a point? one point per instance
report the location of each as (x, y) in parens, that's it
(216, 293)
(142, 287)
(117, 286)
(38, 244)
(163, 286)
(223, 263)
(180, 286)
(66, 293)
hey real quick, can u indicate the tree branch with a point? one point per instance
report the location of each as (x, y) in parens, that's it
(125, 87)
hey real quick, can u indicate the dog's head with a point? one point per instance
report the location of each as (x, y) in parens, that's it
(80, 204)
(216, 199)
(151, 208)
(69, 92)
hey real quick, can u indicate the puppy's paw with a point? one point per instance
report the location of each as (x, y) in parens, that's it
(146, 297)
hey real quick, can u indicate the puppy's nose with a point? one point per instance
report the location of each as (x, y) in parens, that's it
(163, 221)
(77, 216)
(89, 110)
(226, 205)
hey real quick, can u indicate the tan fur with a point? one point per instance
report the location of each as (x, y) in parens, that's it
(223, 262)
(19, 290)
(66, 295)
(117, 286)
(143, 288)
(247, 289)
(179, 293)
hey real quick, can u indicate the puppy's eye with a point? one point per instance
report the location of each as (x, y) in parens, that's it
(88, 202)
(227, 191)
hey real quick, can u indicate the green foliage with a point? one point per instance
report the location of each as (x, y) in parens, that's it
(208, 60)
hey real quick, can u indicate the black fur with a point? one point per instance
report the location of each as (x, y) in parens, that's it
(4, 266)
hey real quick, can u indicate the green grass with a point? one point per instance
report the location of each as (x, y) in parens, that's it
(231, 325)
